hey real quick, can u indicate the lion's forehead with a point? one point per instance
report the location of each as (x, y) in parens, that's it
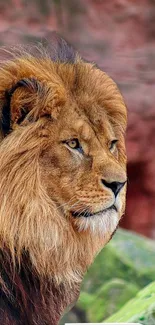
(98, 129)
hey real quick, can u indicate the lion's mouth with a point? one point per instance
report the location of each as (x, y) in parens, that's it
(87, 214)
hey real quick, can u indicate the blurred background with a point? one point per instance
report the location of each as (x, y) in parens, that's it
(119, 35)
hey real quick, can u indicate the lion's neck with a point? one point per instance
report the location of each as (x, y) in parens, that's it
(25, 300)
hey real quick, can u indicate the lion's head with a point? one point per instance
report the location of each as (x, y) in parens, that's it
(62, 161)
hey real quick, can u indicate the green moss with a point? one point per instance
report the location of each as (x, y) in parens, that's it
(108, 299)
(141, 308)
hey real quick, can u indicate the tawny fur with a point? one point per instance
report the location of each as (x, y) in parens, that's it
(41, 181)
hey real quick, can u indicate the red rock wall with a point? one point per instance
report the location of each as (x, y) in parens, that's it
(120, 36)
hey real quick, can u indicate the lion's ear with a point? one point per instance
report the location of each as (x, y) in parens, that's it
(18, 102)
(28, 100)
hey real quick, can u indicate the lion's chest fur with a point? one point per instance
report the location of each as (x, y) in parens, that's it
(26, 300)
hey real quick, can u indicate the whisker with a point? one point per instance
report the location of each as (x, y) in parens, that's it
(64, 204)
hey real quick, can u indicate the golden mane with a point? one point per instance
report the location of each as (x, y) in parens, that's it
(35, 93)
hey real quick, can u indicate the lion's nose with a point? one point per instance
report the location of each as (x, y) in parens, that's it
(114, 186)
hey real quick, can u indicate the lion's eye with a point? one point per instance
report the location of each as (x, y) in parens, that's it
(74, 144)
(113, 144)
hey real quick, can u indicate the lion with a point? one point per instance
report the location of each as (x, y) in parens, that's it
(62, 178)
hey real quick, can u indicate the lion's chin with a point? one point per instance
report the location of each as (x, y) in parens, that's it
(101, 223)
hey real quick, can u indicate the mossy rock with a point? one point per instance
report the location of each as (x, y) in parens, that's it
(140, 309)
(107, 300)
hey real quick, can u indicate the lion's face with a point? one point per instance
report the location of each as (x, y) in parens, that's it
(84, 161)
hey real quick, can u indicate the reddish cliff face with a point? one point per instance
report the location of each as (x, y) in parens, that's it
(120, 36)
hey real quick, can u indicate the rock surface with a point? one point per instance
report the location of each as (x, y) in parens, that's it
(120, 36)
(109, 298)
